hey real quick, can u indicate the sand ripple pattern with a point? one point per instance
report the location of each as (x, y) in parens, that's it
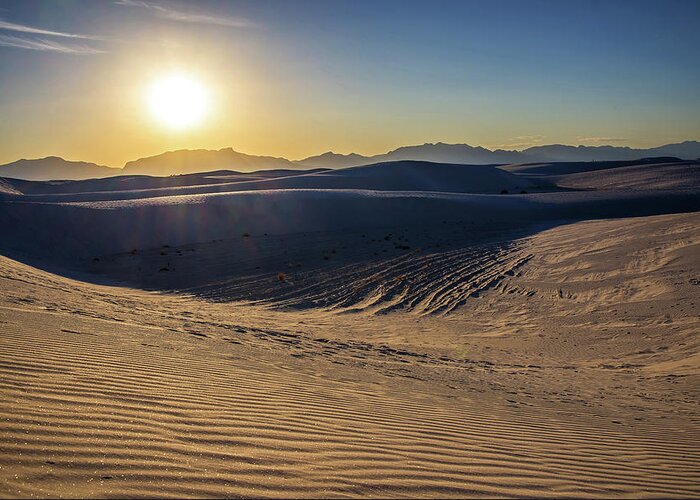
(104, 415)
(429, 283)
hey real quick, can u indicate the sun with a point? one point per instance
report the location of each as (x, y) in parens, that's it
(178, 101)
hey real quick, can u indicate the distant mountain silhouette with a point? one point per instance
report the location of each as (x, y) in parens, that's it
(687, 150)
(187, 161)
(438, 153)
(449, 153)
(55, 168)
(466, 154)
(333, 160)
(203, 160)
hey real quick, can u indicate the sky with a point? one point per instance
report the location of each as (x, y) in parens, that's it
(298, 78)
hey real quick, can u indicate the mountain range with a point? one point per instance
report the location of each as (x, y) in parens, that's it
(203, 160)
(53, 167)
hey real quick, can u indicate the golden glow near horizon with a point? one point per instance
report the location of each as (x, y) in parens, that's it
(178, 101)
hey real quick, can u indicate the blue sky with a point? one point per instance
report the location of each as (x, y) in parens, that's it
(295, 78)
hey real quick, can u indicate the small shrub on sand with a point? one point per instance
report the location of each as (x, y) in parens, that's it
(281, 277)
(504, 191)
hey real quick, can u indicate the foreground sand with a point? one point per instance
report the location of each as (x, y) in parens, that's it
(573, 371)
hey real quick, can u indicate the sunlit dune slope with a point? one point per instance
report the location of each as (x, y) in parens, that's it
(113, 391)
(676, 175)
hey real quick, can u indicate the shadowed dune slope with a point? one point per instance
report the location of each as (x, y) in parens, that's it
(99, 217)
(565, 168)
(84, 230)
(395, 176)
(7, 187)
(143, 183)
(414, 176)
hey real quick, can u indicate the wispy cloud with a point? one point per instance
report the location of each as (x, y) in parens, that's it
(187, 17)
(4, 25)
(46, 45)
(521, 142)
(600, 140)
(34, 38)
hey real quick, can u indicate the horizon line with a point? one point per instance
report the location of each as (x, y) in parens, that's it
(354, 153)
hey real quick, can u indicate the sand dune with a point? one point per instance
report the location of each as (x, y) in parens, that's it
(85, 220)
(675, 175)
(143, 183)
(113, 391)
(6, 188)
(394, 176)
(368, 332)
(575, 167)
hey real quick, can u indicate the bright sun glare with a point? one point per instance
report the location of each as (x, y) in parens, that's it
(178, 101)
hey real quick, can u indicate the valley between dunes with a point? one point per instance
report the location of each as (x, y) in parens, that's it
(309, 338)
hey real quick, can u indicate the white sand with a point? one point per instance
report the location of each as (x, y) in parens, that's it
(352, 342)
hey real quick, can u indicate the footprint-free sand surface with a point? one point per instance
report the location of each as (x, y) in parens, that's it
(424, 343)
